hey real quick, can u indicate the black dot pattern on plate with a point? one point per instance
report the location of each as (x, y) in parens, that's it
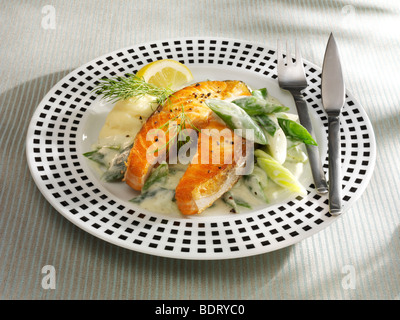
(56, 161)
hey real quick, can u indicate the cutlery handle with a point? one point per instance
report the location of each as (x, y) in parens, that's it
(312, 151)
(335, 185)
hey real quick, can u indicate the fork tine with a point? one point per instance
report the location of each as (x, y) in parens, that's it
(289, 56)
(298, 52)
(299, 59)
(279, 51)
(289, 60)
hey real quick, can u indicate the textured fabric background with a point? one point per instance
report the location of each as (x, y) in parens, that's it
(364, 241)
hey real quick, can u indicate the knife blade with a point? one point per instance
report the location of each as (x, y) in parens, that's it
(333, 98)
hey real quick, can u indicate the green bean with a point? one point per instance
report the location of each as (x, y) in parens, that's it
(143, 196)
(266, 123)
(237, 118)
(260, 93)
(254, 182)
(234, 202)
(96, 156)
(158, 175)
(242, 203)
(254, 105)
(227, 197)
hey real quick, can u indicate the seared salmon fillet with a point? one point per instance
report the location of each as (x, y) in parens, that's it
(212, 174)
(190, 100)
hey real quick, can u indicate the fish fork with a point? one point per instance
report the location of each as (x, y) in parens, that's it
(291, 77)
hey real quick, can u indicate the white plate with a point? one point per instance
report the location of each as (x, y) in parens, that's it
(69, 118)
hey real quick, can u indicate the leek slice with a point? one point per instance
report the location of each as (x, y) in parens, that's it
(278, 173)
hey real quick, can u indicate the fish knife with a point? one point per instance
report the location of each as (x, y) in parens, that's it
(333, 98)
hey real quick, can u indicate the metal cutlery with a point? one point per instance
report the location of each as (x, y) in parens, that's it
(291, 77)
(333, 98)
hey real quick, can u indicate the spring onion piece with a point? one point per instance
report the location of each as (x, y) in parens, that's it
(295, 154)
(278, 173)
(261, 175)
(254, 183)
(158, 175)
(277, 144)
(237, 118)
(286, 115)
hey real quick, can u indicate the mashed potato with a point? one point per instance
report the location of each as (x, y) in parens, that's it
(125, 120)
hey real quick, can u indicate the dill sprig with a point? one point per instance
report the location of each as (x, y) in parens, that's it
(121, 88)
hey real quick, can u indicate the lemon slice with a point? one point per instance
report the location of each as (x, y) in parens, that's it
(167, 73)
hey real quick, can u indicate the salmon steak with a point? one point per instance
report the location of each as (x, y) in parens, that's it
(206, 178)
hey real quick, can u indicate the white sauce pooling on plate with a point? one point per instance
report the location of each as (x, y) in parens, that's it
(162, 200)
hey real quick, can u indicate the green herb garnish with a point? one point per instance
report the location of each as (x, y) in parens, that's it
(121, 88)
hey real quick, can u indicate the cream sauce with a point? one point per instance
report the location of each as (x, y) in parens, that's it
(162, 200)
